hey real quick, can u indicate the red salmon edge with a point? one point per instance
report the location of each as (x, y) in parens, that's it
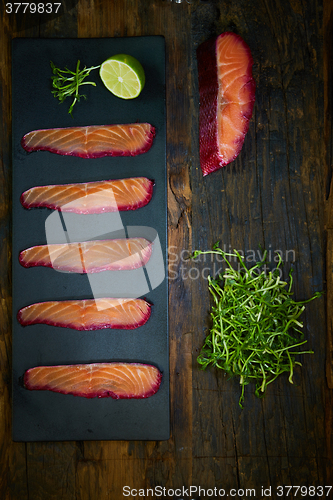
(208, 92)
(88, 328)
(20, 319)
(23, 200)
(31, 263)
(210, 160)
(143, 202)
(143, 149)
(145, 252)
(149, 191)
(148, 197)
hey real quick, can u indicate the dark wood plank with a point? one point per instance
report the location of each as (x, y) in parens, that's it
(328, 137)
(328, 74)
(273, 195)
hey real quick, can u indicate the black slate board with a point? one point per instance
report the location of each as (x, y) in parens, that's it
(43, 415)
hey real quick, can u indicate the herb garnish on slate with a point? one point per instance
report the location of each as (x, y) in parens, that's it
(256, 330)
(66, 83)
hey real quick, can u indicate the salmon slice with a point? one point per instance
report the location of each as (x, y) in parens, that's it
(227, 95)
(91, 197)
(90, 256)
(101, 380)
(90, 314)
(92, 141)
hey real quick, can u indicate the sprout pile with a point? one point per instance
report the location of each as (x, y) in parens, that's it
(256, 331)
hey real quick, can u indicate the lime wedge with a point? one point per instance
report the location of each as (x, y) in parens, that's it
(123, 75)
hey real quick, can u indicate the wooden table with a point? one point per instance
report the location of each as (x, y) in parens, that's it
(276, 193)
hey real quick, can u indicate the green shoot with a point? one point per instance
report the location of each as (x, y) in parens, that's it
(66, 83)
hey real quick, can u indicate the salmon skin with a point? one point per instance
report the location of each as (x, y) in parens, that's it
(89, 314)
(116, 380)
(227, 95)
(91, 197)
(94, 141)
(90, 256)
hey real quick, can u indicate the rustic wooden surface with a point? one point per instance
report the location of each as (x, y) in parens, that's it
(277, 194)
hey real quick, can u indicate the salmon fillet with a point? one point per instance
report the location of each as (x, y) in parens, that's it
(93, 141)
(89, 314)
(116, 380)
(227, 95)
(91, 197)
(90, 256)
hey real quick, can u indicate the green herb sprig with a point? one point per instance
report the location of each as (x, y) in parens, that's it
(66, 83)
(256, 330)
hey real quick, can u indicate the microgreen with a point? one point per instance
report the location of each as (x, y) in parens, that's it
(66, 83)
(256, 332)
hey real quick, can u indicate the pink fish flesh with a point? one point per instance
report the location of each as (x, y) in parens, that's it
(90, 256)
(116, 380)
(91, 197)
(227, 95)
(93, 141)
(89, 314)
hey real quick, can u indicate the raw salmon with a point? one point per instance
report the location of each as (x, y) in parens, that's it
(92, 141)
(90, 256)
(90, 314)
(91, 197)
(102, 380)
(227, 95)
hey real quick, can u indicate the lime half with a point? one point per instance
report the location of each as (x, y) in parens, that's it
(123, 75)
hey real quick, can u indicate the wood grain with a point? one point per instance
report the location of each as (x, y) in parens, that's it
(276, 194)
(328, 133)
(273, 195)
